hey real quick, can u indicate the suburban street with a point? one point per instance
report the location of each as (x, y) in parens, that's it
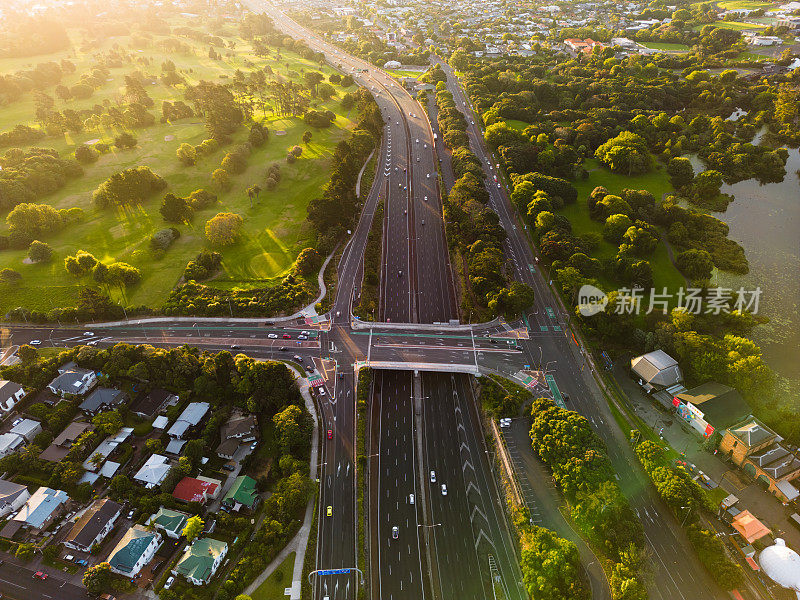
(18, 583)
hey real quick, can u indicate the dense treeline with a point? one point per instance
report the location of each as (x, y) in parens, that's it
(473, 229)
(336, 210)
(577, 458)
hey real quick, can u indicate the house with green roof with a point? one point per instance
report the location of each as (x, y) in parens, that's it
(242, 493)
(171, 522)
(201, 560)
(136, 548)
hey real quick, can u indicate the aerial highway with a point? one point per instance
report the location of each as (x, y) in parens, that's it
(423, 411)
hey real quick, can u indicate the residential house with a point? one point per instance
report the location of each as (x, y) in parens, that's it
(190, 417)
(10, 394)
(241, 494)
(201, 560)
(106, 448)
(585, 46)
(103, 399)
(10, 442)
(711, 406)
(27, 429)
(200, 489)
(758, 451)
(151, 403)
(12, 497)
(238, 430)
(72, 380)
(175, 446)
(171, 522)
(42, 508)
(93, 526)
(153, 471)
(63, 442)
(136, 548)
(160, 422)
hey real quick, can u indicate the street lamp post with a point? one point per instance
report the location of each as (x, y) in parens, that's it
(688, 512)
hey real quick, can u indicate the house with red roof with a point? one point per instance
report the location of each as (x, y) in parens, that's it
(199, 489)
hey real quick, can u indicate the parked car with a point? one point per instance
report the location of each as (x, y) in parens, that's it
(82, 562)
(169, 582)
(228, 467)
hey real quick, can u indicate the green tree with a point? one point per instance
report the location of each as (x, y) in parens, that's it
(175, 209)
(194, 527)
(695, 264)
(308, 261)
(97, 579)
(680, 171)
(40, 252)
(293, 429)
(224, 229)
(626, 153)
(187, 154)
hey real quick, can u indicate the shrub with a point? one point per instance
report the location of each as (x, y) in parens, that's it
(9, 276)
(125, 140)
(207, 147)
(202, 198)
(164, 238)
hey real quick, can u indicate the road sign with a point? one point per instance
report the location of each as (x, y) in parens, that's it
(334, 572)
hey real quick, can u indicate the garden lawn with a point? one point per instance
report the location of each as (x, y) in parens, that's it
(273, 586)
(275, 228)
(666, 46)
(657, 183)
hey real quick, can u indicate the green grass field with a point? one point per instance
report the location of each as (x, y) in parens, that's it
(516, 124)
(666, 46)
(751, 56)
(275, 227)
(657, 183)
(405, 73)
(743, 4)
(737, 26)
(272, 588)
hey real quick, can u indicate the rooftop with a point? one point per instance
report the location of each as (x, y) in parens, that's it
(130, 548)
(198, 560)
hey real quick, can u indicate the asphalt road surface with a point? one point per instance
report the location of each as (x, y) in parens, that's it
(18, 583)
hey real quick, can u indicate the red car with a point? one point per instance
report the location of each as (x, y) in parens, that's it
(40, 575)
(286, 336)
(330, 434)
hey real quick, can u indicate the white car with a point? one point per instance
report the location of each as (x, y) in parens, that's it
(444, 490)
(425, 145)
(428, 175)
(433, 476)
(88, 333)
(273, 336)
(169, 583)
(426, 198)
(417, 141)
(302, 337)
(411, 498)
(321, 390)
(35, 342)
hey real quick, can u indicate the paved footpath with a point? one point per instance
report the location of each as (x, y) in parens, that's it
(299, 542)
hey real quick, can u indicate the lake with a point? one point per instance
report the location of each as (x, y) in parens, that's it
(765, 220)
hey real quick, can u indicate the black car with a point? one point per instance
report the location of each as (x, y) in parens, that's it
(282, 348)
